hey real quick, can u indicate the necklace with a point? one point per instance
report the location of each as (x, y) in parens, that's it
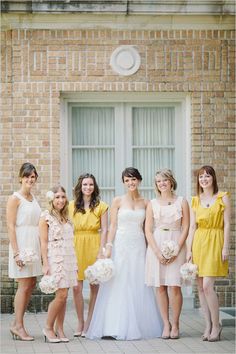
(207, 202)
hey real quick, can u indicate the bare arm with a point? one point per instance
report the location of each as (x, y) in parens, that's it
(113, 225)
(104, 229)
(12, 208)
(185, 223)
(149, 232)
(192, 229)
(227, 213)
(43, 231)
(184, 228)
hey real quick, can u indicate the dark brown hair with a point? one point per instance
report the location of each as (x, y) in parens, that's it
(26, 170)
(131, 172)
(210, 171)
(78, 195)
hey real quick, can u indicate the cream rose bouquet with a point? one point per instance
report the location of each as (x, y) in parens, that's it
(28, 256)
(48, 284)
(169, 249)
(100, 272)
(188, 272)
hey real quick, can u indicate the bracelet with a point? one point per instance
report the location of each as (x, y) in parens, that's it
(15, 255)
(109, 244)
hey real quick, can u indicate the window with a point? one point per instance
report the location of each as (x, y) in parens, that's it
(105, 137)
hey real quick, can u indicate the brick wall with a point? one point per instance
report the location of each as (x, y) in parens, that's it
(38, 66)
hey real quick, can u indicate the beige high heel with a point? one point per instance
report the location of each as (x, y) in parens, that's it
(16, 335)
(217, 337)
(50, 340)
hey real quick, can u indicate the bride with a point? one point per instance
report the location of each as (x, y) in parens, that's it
(125, 307)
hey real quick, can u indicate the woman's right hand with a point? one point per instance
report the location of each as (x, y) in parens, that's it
(19, 262)
(45, 269)
(108, 252)
(189, 256)
(161, 258)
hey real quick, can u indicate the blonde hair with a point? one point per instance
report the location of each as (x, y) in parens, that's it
(168, 174)
(64, 212)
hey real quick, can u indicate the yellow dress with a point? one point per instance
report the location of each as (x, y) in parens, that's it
(86, 235)
(209, 238)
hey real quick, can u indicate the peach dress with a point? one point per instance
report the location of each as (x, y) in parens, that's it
(167, 226)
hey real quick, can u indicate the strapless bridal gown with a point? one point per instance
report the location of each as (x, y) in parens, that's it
(126, 308)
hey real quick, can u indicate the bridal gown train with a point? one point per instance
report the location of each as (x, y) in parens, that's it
(125, 307)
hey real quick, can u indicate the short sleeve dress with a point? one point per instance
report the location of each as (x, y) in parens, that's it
(61, 255)
(167, 226)
(27, 236)
(209, 238)
(86, 235)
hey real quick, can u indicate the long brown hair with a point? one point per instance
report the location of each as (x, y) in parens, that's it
(63, 213)
(210, 171)
(78, 195)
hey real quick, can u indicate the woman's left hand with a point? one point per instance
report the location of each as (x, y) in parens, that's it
(225, 254)
(171, 260)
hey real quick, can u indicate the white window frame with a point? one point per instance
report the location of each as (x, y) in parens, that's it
(181, 103)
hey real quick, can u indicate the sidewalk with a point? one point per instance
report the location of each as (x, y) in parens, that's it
(192, 326)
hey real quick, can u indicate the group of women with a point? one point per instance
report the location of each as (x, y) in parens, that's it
(70, 236)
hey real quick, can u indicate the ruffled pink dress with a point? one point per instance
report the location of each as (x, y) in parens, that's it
(61, 255)
(167, 226)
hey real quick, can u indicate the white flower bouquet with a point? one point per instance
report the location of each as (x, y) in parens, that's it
(169, 249)
(100, 272)
(48, 284)
(188, 272)
(28, 256)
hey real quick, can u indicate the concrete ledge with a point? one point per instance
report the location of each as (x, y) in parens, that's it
(123, 6)
(227, 316)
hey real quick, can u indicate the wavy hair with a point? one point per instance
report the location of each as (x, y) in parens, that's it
(62, 213)
(78, 195)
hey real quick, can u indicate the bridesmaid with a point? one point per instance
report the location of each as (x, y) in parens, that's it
(167, 218)
(208, 245)
(90, 219)
(58, 255)
(23, 213)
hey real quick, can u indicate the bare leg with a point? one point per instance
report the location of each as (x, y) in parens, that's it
(60, 320)
(54, 309)
(176, 302)
(79, 304)
(163, 302)
(22, 297)
(205, 308)
(92, 300)
(213, 303)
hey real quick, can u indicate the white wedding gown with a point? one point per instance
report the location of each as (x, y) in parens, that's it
(125, 307)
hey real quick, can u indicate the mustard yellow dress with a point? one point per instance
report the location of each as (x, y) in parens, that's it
(209, 238)
(86, 235)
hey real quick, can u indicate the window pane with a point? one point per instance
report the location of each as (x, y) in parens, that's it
(153, 143)
(93, 147)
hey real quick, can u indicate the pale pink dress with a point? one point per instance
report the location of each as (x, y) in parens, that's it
(61, 254)
(167, 226)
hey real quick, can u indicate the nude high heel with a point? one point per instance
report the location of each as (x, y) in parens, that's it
(217, 337)
(16, 335)
(50, 340)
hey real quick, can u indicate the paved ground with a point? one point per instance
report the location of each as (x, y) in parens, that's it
(190, 342)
